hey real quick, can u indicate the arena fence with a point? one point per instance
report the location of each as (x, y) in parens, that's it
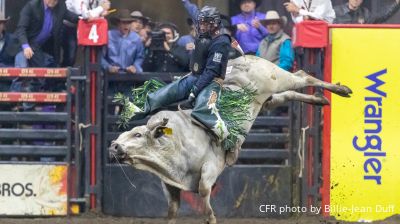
(53, 141)
(35, 143)
(310, 141)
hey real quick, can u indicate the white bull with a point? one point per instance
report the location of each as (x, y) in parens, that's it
(189, 159)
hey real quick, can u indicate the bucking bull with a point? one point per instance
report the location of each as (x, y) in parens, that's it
(189, 159)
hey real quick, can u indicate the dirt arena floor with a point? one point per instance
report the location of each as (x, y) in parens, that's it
(102, 219)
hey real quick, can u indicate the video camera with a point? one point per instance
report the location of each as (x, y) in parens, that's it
(157, 40)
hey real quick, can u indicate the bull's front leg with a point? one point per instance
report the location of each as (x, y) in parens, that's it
(209, 174)
(174, 199)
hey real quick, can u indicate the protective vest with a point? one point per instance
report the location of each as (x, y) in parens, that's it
(199, 56)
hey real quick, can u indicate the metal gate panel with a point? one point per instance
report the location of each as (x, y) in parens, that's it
(238, 192)
(38, 158)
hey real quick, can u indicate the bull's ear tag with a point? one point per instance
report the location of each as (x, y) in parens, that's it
(167, 131)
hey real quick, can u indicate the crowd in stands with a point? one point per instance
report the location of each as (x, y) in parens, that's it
(47, 29)
(46, 36)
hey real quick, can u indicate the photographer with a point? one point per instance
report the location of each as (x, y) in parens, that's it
(164, 54)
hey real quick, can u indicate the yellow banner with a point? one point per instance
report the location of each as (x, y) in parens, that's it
(365, 149)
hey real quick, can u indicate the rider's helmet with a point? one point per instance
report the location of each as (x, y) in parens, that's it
(209, 20)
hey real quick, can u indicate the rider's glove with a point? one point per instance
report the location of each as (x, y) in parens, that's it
(189, 103)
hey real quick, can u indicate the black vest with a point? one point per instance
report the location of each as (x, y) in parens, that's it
(199, 56)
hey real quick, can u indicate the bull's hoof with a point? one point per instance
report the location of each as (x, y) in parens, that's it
(322, 100)
(172, 221)
(343, 91)
(211, 221)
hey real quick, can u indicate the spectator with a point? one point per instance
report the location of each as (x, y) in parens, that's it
(138, 22)
(125, 50)
(87, 9)
(6, 54)
(310, 9)
(38, 32)
(170, 57)
(191, 8)
(277, 46)
(6, 41)
(249, 32)
(354, 12)
(145, 33)
(187, 41)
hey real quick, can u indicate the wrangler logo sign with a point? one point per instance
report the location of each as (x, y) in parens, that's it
(364, 160)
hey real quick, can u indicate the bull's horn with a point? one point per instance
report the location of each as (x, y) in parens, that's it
(156, 124)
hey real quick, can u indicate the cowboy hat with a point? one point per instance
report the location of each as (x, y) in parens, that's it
(122, 15)
(274, 16)
(139, 15)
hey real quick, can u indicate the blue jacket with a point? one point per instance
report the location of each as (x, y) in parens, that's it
(123, 51)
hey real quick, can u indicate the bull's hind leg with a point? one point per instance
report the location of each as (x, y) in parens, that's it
(335, 88)
(173, 202)
(209, 174)
(281, 98)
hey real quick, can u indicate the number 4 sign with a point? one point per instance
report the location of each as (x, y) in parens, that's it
(93, 32)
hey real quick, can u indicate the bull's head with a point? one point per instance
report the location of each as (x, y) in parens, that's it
(148, 147)
(140, 141)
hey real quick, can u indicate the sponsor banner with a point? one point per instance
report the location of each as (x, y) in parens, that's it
(34, 72)
(33, 189)
(364, 148)
(33, 97)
